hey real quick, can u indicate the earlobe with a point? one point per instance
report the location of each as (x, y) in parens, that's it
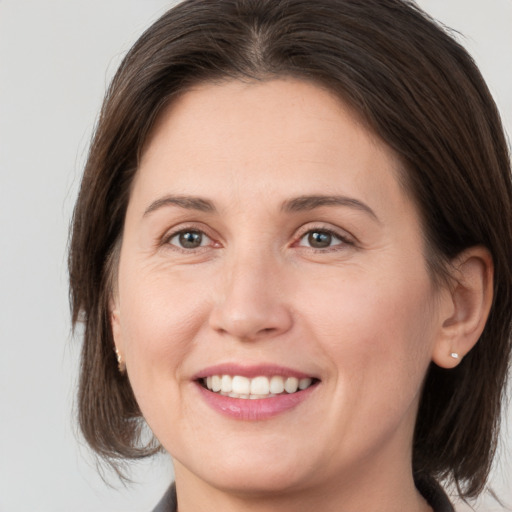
(114, 321)
(470, 302)
(116, 334)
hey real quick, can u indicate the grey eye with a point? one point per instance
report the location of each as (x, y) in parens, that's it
(319, 239)
(189, 239)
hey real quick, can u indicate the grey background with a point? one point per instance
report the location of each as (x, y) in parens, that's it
(56, 59)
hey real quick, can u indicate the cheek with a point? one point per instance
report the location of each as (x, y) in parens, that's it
(377, 338)
(160, 319)
(374, 329)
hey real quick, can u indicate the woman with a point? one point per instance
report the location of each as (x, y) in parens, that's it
(291, 254)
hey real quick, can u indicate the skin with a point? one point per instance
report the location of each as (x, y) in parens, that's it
(361, 314)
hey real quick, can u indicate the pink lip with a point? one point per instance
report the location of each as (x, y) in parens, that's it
(253, 410)
(250, 371)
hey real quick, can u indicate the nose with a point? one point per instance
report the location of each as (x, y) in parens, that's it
(251, 301)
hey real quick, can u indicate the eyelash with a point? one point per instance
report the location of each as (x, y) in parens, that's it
(167, 240)
(342, 239)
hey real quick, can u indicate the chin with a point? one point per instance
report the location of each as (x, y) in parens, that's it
(250, 473)
(264, 480)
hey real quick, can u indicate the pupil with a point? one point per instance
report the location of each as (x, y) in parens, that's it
(191, 239)
(319, 240)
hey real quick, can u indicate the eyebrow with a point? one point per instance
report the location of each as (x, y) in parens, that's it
(305, 203)
(187, 202)
(297, 204)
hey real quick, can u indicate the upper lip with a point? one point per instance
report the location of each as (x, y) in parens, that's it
(251, 371)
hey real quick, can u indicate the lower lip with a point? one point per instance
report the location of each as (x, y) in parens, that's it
(257, 409)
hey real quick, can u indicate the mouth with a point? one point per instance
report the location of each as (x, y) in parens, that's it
(256, 388)
(254, 392)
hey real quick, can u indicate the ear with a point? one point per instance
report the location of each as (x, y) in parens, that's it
(469, 301)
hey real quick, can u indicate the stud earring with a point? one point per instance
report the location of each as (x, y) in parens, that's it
(454, 355)
(121, 365)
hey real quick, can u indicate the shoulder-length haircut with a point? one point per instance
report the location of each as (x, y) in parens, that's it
(414, 86)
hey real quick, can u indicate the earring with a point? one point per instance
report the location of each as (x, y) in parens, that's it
(454, 355)
(121, 365)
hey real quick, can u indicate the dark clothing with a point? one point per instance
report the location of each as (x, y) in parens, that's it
(428, 487)
(168, 502)
(433, 494)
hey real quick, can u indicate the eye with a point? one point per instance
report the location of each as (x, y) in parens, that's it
(320, 239)
(189, 239)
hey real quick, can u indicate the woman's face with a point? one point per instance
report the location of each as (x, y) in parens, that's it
(268, 243)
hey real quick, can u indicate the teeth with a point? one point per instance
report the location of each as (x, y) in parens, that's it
(305, 383)
(226, 384)
(291, 384)
(241, 385)
(276, 384)
(237, 386)
(260, 386)
(216, 383)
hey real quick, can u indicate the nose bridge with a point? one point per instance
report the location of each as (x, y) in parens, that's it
(251, 300)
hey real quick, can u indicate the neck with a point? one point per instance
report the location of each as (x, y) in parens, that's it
(376, 488)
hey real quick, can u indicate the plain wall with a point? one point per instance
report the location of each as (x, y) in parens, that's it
(56, 59)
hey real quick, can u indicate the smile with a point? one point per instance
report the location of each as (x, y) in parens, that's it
(260, 387)
(254, 392)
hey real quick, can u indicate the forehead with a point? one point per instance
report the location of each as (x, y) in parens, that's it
(251, 109)
(277, 138)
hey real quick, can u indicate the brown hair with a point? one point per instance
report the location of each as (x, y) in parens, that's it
(414, 86)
